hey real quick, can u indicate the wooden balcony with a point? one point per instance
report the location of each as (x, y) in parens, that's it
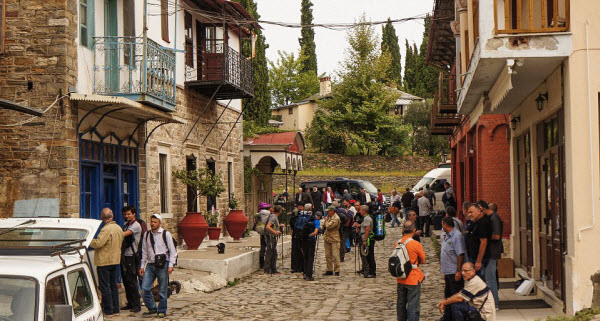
(221, 72)
(443, 118)
(531, 16)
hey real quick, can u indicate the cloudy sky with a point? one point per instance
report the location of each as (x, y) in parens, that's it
(332, 44)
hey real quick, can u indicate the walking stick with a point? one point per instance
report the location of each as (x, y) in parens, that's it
(316, 257)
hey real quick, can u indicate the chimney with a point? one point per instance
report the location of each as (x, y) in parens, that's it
(325, 86)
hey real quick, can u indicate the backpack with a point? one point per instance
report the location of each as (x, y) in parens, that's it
(399, 263)
(302, 226)
(378, 227)
(164, 236)
(144, 230)
(261, 222)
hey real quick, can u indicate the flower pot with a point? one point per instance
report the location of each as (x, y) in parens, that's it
(193, 229)
(214, 233)
(236, 223)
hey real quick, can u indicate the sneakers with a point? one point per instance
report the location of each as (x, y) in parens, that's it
(337, 273)
(327, 273)
(161, 315)
(369, 276)
(135, 309)
(150, 312)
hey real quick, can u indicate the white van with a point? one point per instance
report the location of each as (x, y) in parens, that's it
(45, 271)
(436, 179)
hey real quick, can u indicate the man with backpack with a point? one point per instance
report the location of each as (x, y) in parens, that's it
(264, 211)
(368, 244)
(408, 305)
(308, 228)
(131, 259)
(272, 232)
(345, 226)
(332, 242)
(159, 255)
(297, 263)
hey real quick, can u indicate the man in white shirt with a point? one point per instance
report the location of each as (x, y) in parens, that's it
(158, 258)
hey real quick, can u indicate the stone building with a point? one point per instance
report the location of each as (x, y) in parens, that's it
(123, 108)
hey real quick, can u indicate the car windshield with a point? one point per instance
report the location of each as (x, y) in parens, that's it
(424, 181)
(28, 237)
(370, 188)
(17, 298)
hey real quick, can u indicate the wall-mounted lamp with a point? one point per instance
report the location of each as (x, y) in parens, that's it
(514, 121)
(444, 157)
(539, 101)
(472, 149)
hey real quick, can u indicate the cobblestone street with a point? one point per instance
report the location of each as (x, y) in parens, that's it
(288, 297)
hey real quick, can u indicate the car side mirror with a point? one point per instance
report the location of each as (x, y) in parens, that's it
(62, 312)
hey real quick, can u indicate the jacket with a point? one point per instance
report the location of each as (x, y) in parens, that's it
(304, 198)
(107, 247)
(332, 229)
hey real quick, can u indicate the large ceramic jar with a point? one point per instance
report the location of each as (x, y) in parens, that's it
(236, 223)
(193, 229)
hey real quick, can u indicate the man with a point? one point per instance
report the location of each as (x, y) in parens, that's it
(451, 212)
(366, 227)
(272, 233)
(344, 228)
(328, 196)
(132, 233)
(364, 197)
(297, 263)
(452, 257)
(406, 201)
(107, 257)
(158, 259)
(303, 197)
(474, 297)
(264, 210)
(425, 208)
(308, 244)
(347, 196)
(408, 305)
(428, 192)
(495, 248)
(380, 198)
(394, 208)
(449, 198)
(317, 198)
(493, 207)
(478, 250)
(412, 216)
(332, 242)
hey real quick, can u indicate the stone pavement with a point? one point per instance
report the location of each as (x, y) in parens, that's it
(288, 297)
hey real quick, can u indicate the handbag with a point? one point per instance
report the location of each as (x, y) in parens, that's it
(476, 315)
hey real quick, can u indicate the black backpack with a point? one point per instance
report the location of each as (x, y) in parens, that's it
(308, 227)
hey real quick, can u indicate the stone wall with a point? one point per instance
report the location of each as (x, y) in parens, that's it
(400, 182)
(372, 163)
(39, 159)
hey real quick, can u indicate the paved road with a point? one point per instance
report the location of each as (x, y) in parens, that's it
(288, 297)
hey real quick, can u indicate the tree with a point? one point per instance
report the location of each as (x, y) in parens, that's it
(307, 39)
(357, 116)
(389, 43)
(427, 74)
(410, 72)
(421, 141)
(257, 109)
(288, 82)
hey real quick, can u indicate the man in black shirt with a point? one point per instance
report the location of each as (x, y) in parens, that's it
(495, 248)
(406, 201)
(478, 250)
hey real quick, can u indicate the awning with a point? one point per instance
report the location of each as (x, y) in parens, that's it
(129, 110)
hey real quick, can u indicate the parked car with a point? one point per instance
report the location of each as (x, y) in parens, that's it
(436, 179)
(45, 270)
(339, 184)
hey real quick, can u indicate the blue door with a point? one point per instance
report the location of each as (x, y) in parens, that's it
(89, 191)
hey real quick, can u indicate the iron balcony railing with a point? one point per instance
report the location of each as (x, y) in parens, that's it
(443, 116)
(121, 69)
(215, 61)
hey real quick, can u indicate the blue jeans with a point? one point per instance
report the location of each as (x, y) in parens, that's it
(150, 274)
(481, 272)
(395, 219)
(408, 305)
(107, 283)
(490, 278)
(460, 310)
(406, 210)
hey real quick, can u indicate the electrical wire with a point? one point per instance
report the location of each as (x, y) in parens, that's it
(28, 120)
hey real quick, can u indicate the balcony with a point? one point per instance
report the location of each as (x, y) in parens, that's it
(221, 72)
(443, 118)
(531, 16)
(121, 69)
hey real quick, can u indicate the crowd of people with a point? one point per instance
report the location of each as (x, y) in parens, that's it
(468, 256)
(136, 256)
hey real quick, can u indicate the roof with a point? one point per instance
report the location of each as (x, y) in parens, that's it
(311, 98)
(35, 266)
(288, 139)
(441, 48)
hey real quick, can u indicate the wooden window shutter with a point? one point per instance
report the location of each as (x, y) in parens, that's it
(164, 19)
(91, 23)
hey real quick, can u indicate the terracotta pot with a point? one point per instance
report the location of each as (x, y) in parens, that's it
(214, 233)
(193, 229)
(236, 223)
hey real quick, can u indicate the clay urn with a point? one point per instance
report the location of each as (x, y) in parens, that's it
(193, 229)
(236, 223)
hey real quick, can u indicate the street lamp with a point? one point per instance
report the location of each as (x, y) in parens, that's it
(514, 121)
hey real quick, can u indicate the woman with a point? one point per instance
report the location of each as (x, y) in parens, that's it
(328, 197)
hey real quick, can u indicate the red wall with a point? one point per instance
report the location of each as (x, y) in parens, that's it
(487, 168)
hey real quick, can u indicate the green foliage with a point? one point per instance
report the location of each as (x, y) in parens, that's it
(288, 82)
(212, 218)
(389, 43)
(436, 245)
(257, 108)
(253, 129)
(233, 202)
(307, 39)
(357, 114)
(235, 282)
(420, 79)
(201, 181)
(583, 315)
(422, 142)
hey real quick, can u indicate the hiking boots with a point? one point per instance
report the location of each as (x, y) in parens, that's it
(327, 273)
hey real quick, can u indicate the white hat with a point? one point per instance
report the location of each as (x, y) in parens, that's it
(157, 216)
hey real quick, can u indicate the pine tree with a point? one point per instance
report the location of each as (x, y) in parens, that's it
(257, 109)
(427, 74)
(389, 43)
(307, 39)
(409, 69)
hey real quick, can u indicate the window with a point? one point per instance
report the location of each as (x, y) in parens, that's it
(163, 176)
(192, 200)
(291, 110)
(211, 40)
(397, 110)
(86, 23)
(164, 19)
(129, 32)
(55, 294)
(18, 298)
(354, 188)
(189, 42)
(81, 295)
(2, 24)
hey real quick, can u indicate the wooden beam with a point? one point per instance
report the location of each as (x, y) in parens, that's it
(544, 14)
(519, 8)
(530, 14)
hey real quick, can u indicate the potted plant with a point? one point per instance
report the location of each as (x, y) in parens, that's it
(212, 218)
(194, 226)
(236, 221)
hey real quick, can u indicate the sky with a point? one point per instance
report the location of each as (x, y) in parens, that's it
(331, 44)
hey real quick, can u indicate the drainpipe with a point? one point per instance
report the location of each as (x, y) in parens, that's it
(587, 50)
(144, 45)
(175, 52)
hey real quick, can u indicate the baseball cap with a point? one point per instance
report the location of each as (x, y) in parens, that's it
(157, 216)
(331, 208)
